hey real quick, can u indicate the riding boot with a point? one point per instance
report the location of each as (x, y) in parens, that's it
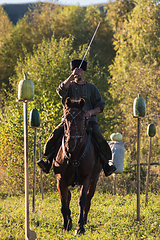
(45, 165)
(108, 169)
(51, 148)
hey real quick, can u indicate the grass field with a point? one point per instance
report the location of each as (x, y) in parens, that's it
(110, 217)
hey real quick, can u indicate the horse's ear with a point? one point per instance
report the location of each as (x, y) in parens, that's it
(68, 102)
(81, 102)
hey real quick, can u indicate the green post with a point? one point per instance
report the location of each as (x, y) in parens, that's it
(34, 121)
(148, 173)
(40, 155)
(24, 96)
(34, 172)
(138, 168)
(139, 111)
(151, 131)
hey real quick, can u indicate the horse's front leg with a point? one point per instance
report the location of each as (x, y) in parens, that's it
(65, 196)
(90, 194)
(82, 202)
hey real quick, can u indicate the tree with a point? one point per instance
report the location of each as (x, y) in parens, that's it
(28, 32)
(5, 31)
(136, 70)
(5, 26)
(117, 12)
(81, 23)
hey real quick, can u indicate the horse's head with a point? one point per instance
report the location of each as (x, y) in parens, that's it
(74, 123)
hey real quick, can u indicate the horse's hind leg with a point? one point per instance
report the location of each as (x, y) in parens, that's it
(90, 194)
(65, 196)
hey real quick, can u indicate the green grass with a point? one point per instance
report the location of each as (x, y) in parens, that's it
(110, 217)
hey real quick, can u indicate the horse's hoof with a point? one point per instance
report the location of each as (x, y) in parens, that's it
(69, 225)
(79, 232)
(85, 222)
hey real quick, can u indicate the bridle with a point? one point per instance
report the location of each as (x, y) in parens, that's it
(73, 116)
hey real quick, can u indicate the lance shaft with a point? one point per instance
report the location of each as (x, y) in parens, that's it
(89, 44)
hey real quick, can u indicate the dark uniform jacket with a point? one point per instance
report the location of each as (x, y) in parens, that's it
(88, 91)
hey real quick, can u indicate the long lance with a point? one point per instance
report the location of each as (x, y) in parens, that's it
(89, 44)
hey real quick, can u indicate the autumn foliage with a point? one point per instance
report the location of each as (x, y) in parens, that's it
(123, 61)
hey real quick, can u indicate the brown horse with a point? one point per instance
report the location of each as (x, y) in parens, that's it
(77, 162)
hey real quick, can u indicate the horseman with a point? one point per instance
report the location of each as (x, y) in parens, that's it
(76, 87)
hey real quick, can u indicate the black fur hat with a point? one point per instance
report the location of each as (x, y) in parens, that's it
(76, 63)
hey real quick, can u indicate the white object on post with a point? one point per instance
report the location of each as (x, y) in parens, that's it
(118, 150)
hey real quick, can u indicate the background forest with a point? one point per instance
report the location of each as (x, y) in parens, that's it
(124, 60)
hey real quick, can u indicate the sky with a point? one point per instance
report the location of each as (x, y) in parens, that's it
(67, 2)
